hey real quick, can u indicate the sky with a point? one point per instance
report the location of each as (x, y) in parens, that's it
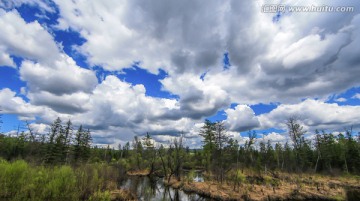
(125, 68)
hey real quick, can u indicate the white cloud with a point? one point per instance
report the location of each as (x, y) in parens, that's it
(12, 104)
(42, 4)
(27, 40)
(197, 98)
(115, 106)
(313, 114)
(241, 118)
(49, 69)
(271, 62)
(39, 129)
(5, 59)
(274, 138)
(356, 96)
(341, 99)
(62, 76)
(66, 103)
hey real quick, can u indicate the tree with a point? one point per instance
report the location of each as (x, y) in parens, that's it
(126, 149)
(208, 133)
(82, 145)
(138, 152)
(176, 154)
(162, 154)
(68, 138)
(221, 140)
(149, 152)
(296, 134)
(220, 135)
(55, 137)
(317, 147)
(352, 152)
(248, 147)
(279, 154)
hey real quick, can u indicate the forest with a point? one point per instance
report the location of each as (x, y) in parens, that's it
(64, 165)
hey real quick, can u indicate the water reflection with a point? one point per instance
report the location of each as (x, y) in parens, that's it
(152, 188)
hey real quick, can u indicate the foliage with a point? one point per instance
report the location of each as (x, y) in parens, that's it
(21, 181)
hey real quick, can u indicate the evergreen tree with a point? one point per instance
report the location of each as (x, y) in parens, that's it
(208, 134)
(82, 145)
(54, 140)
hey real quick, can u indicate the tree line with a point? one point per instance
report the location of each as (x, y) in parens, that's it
(62, 145)
(221, 156)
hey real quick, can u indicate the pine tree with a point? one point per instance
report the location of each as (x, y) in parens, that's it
(82, 145)
(55, 133)
(208, 133)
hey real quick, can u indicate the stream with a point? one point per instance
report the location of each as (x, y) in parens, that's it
(153, 188)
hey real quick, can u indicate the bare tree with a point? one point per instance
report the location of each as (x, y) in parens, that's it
(296, 132)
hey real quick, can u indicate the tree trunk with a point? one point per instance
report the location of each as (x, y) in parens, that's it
(317, 161)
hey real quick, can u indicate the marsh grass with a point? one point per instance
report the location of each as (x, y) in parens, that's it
(21, 181)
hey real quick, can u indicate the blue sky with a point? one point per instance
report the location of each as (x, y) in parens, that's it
(126, 68)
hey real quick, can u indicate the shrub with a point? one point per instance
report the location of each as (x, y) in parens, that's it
(20, 181)
(100, 196)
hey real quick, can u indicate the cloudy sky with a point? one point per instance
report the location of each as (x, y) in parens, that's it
(124, 68)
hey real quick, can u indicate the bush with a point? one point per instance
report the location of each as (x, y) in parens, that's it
(20, 181)
(190, 176)
(61, 184)
(100, 196)
(13, 176)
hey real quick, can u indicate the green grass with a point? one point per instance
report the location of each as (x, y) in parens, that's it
(21, 181)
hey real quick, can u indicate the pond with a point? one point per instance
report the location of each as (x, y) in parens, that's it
(153, 188)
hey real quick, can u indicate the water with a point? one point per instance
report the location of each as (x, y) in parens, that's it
(153, 189)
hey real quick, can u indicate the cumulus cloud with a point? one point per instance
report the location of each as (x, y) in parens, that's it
(27, 40)
(197, 98)
(313, 114)
(67, 103)
(241, 118)
(5, 59)
(116, 36)
(274, 138)
(44, 5)
(356, 96)
(63, 76)
(283, 62)
(47, 69)
(53, 79)
(118, 110)
(39, 128)
(12, 104)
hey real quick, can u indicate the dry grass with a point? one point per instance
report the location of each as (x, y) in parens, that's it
(144, 172)
(121, 194)
(287, 186)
